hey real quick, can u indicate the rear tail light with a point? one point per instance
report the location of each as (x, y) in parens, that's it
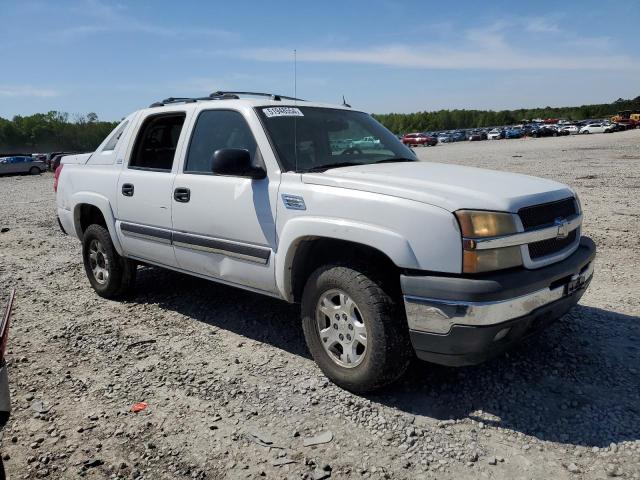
(4, 327)
(56, 175)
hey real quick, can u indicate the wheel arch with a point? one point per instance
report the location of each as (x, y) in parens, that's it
(90, 208)
(307, 243)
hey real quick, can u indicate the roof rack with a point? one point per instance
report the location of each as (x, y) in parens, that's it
(219, 95)
(273, 96)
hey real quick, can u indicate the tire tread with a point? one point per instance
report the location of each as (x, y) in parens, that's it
(382, 366)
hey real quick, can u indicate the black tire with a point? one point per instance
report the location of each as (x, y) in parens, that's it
(121, 277)
(388, 351)
(35, 171)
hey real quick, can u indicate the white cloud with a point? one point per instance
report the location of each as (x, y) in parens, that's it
(541, 25)
(492, 47)
(116, 18)
(26, 91)
(481, 57)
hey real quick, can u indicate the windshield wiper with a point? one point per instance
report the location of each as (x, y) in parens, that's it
(322, 168)
(396, 159)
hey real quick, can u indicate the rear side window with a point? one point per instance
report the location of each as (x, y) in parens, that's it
(113, 141)
(155, 146)
(214, 130)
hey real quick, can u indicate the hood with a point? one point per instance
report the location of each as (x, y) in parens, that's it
(452, 187)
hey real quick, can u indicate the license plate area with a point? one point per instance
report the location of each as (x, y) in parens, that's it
(578, 281)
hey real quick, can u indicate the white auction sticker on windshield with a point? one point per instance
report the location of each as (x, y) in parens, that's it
(282, 112)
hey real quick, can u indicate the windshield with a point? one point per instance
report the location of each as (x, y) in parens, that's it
(315, 139)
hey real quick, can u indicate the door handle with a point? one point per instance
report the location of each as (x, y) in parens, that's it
(182, 194)
(127, 189)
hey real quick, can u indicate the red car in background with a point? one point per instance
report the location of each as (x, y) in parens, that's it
(419, 139)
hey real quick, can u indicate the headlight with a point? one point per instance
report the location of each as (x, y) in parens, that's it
(481, 224)
(478, 224)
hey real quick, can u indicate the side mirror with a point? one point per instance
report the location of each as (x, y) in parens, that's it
(235, 162)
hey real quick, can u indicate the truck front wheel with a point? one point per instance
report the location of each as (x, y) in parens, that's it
(110, 275)
(354, 329)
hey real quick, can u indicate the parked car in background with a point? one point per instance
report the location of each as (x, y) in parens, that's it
(444, 138)
(547, 131)
(55, 161)
(22, 165)
(514, 133)
(477, 135)
(367, 142)
(458, 136)
(597, 128)
(52, 159)
(570, 129)
(419, 139)
(495, 134)
(618, 127)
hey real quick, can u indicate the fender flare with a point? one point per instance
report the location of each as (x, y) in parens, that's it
(393, 245)
(101, 203)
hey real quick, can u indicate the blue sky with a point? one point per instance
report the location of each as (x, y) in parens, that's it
(385, 56)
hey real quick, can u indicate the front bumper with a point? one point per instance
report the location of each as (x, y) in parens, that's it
(464, 321)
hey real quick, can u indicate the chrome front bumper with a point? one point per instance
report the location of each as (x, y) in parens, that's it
(437, 316)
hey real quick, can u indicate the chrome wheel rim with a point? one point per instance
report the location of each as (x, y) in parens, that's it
(341, 327)
(98, 262)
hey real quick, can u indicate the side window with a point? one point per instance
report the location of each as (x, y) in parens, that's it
(113, 141)
(156, 143)
(214, 130)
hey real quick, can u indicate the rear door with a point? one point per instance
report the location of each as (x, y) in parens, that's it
(145, 188)
(18, 165)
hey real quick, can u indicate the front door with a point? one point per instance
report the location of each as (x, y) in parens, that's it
(224, 227)
(145, 189)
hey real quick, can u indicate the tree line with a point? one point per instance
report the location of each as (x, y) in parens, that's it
(454, 119)
(58, 131)
(52, 131)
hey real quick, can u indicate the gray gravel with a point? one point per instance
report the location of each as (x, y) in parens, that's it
(232, 392)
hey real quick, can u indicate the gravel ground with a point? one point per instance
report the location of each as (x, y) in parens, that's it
(232, 392)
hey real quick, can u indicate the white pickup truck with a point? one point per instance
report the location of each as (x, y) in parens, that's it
(388, 256)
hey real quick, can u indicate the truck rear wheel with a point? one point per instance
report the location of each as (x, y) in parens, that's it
(354, 329)
(110, 275)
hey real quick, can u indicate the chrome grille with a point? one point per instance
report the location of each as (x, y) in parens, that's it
(551, 245)
(544, 214)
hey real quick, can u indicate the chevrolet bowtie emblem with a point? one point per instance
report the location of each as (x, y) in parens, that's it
(563, 228)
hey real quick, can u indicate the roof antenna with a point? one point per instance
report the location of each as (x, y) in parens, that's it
(344, 102)
(295, 102)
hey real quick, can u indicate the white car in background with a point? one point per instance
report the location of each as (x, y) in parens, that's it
(597, 128)
(572, 129)
(495, 134)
